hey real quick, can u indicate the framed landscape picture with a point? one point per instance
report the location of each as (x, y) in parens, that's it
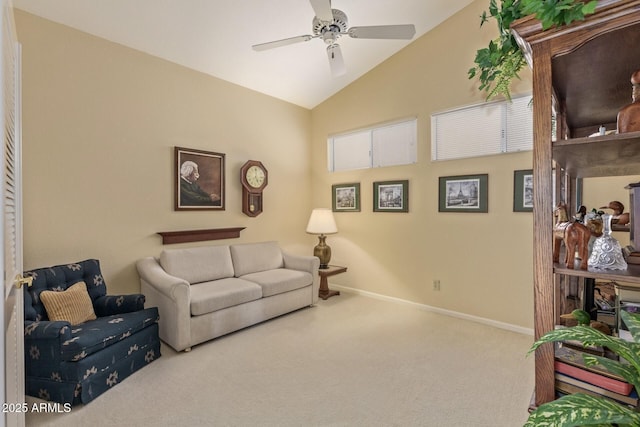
(346, 197)
(523, 191)
(463, 193)
(391, 196)
(199, 180)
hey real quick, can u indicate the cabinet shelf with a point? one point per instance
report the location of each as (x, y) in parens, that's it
(630, 275)
(606, 155)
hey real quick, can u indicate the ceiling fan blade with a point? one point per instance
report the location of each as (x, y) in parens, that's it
(279, 43)
(404, 32)
(336, 62)
(322, 8)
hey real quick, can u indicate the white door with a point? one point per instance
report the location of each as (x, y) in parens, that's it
(11, 215)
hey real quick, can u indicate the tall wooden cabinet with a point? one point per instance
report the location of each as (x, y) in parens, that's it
(580, 71)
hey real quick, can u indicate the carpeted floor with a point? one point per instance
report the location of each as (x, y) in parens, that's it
(349, 361)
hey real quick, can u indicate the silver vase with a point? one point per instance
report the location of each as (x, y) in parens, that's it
(607, 253)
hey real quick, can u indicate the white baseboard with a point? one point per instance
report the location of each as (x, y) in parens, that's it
(483, 320)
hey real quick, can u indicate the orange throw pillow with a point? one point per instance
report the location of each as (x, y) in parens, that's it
(73, 305)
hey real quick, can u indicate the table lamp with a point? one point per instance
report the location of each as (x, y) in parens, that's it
(321, 222)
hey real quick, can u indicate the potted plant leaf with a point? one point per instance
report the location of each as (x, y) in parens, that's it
(499, 63)
(586, 410)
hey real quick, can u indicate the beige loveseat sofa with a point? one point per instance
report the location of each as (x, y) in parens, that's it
(205, 292)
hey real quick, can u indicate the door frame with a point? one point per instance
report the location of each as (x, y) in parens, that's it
(12, 309)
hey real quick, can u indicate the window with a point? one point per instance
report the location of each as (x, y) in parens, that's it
(480, 130)
(386, 145)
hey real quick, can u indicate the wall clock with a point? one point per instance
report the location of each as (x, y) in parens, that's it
(253, 176)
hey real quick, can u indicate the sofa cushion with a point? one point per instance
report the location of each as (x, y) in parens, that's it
(94, 335)
(72, 305)
(207, 297)
(254, 257)
(196, 265)
(279, 280)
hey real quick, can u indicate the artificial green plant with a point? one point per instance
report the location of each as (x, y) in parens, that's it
(499, 63)
(585, 410)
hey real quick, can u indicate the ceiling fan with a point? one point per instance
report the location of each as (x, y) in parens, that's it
(330, 24)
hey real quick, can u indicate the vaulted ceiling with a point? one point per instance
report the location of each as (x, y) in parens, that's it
(215, 36)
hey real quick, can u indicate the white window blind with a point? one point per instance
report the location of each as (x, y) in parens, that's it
(519, 124)
(395, 144)
(385, 145)
(352, 151)
(480, 130)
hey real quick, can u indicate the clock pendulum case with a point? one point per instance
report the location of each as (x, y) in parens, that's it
(253, 176)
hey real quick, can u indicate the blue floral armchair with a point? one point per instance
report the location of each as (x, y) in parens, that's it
(75, 364)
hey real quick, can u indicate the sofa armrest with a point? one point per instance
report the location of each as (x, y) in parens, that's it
(301, 262)
(118, 304)
(306, 263)
(172, 297)
(151, 272)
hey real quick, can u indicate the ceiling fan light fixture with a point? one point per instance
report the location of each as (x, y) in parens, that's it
(330, 24)
(339, 24)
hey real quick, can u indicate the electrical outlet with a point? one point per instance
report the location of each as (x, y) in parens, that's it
(436, 285)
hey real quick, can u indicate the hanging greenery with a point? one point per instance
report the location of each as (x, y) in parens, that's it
(498, 64)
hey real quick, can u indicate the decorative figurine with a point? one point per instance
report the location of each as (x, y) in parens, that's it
(583, 319)
(629, 116)
(607, 252)
(574, 235)
(594, 224)
(619, 216)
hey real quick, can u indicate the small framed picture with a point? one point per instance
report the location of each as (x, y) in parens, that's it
(463, 193)
(391, 196)
(346, 197)
(199, 180)
(523, 191)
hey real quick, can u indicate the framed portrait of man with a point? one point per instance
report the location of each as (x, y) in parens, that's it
(199, 180)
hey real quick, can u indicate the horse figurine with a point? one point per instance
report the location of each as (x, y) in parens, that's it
(575, 236)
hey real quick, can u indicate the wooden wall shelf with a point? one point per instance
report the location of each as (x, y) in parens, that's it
(185, 236)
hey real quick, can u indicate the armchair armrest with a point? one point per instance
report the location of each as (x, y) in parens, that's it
(107, 305)
(47, 330)
(43, 345)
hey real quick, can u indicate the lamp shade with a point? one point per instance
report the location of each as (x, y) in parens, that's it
(321, 222)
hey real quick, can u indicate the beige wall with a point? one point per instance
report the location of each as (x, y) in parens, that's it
(100, 123)
(484, 261)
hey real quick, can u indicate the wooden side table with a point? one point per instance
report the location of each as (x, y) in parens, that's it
(324, 292)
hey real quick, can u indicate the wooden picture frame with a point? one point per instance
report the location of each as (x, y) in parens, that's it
(463, 193)
(391, 196)
(199, 187)
(345, 197)
(523, 190)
